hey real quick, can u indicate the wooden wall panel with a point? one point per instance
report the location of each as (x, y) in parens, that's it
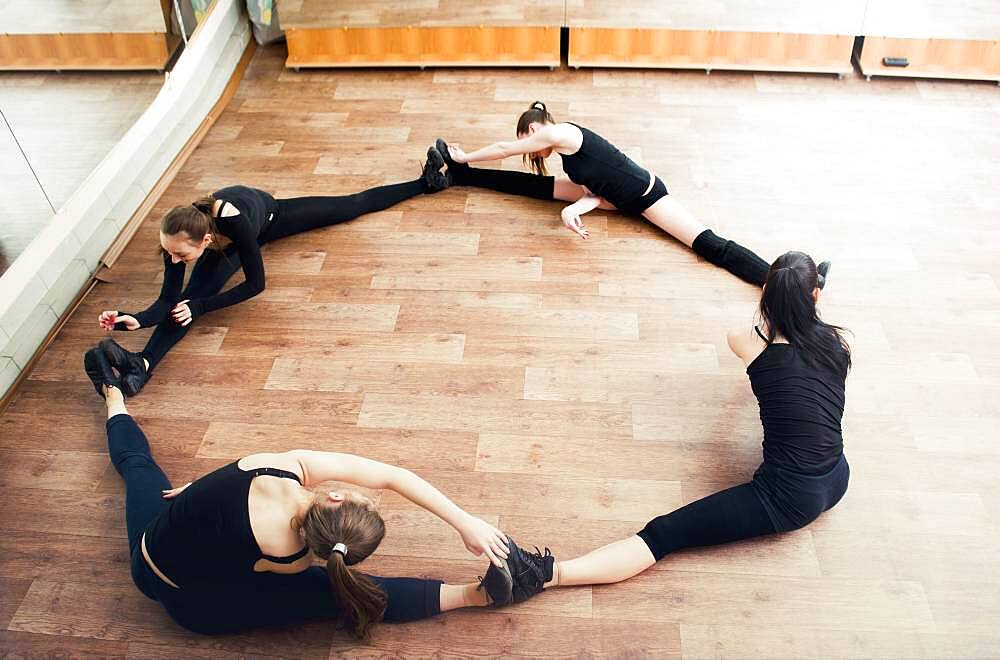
(707, 49)
(424, 46)
(135, 50)
(932, 58)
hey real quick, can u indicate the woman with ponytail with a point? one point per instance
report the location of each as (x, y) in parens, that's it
(235, 549)
(797, 366)
(245, 218)
(600, 176)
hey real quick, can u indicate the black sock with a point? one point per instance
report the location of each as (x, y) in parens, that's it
(505, 181)
(732, 256)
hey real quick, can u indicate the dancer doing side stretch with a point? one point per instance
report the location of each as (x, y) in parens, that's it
(797, 366)
(249, 218)
(600, 176)
(234, 549)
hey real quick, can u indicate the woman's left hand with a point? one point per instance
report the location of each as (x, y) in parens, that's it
(182, 313)
(174, 492)
(480, 536)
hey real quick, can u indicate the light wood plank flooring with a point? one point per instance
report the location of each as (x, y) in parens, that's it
(567, 390)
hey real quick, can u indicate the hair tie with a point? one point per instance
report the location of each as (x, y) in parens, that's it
(341, 548)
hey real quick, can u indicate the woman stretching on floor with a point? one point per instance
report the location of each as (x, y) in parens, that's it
(600, 176)
(797, 366)
(249, 218)
(234, 550)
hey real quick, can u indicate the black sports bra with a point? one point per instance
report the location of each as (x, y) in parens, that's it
(205, 534)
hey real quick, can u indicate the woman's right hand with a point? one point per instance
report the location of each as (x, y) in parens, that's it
(479, 536)
(572, 220)
(109, 319)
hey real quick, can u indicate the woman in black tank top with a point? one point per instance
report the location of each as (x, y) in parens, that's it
(797, 366)
(248, 218)
(235, 549)
(599, 176)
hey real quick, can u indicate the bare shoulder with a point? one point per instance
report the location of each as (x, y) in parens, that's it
(283, 461)
(565, 135)
(745, 343)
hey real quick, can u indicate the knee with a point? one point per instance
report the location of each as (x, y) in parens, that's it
(131, 459)
(658, 536)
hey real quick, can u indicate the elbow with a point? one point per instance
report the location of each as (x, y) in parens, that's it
(395, 478)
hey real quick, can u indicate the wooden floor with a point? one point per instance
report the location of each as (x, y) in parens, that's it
(66, 123)
(564, 390)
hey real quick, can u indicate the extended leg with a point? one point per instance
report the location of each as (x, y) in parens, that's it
(732, 256)
(729, 515)
(130, 454)
(271, 599)
(301, 214)
(510, 182)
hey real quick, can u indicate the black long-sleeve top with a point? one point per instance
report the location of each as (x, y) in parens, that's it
(255, 209)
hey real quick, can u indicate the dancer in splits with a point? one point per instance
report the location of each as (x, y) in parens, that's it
(246, 219)
(600, 176)
(797, 366)
(234, 550)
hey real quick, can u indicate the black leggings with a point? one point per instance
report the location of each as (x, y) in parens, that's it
(262, 599)
(524, 184)
(214, 268)
(777, 500)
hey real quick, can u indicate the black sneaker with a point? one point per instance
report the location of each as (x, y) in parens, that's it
(453, 168)
(530, 571)
(498, 585)
(99, 370)
(822, 270)
(442, 148)
(130, 366)
(432, 177)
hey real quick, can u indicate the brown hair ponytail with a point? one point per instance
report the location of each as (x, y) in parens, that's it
(360, 529)
(195, 220)
(536, 112)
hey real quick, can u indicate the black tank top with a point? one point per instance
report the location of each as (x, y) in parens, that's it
(801, 407)
(205, 534)
(605, 170)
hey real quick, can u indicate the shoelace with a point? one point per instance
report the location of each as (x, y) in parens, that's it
(535, 562)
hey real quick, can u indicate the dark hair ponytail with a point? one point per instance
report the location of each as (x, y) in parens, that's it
(788, 308)
(360, 529)
(195, 220)
(536, 112)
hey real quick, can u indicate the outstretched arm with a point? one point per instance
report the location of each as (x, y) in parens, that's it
(478, 535)
(543, 138)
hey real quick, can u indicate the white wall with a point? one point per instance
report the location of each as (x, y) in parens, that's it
(41, 284)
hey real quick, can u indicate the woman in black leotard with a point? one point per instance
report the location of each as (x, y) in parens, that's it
(797, 366)
(600, 176)
(234, 550)
(248, 218)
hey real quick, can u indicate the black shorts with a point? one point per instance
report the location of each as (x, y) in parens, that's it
(637, 206)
